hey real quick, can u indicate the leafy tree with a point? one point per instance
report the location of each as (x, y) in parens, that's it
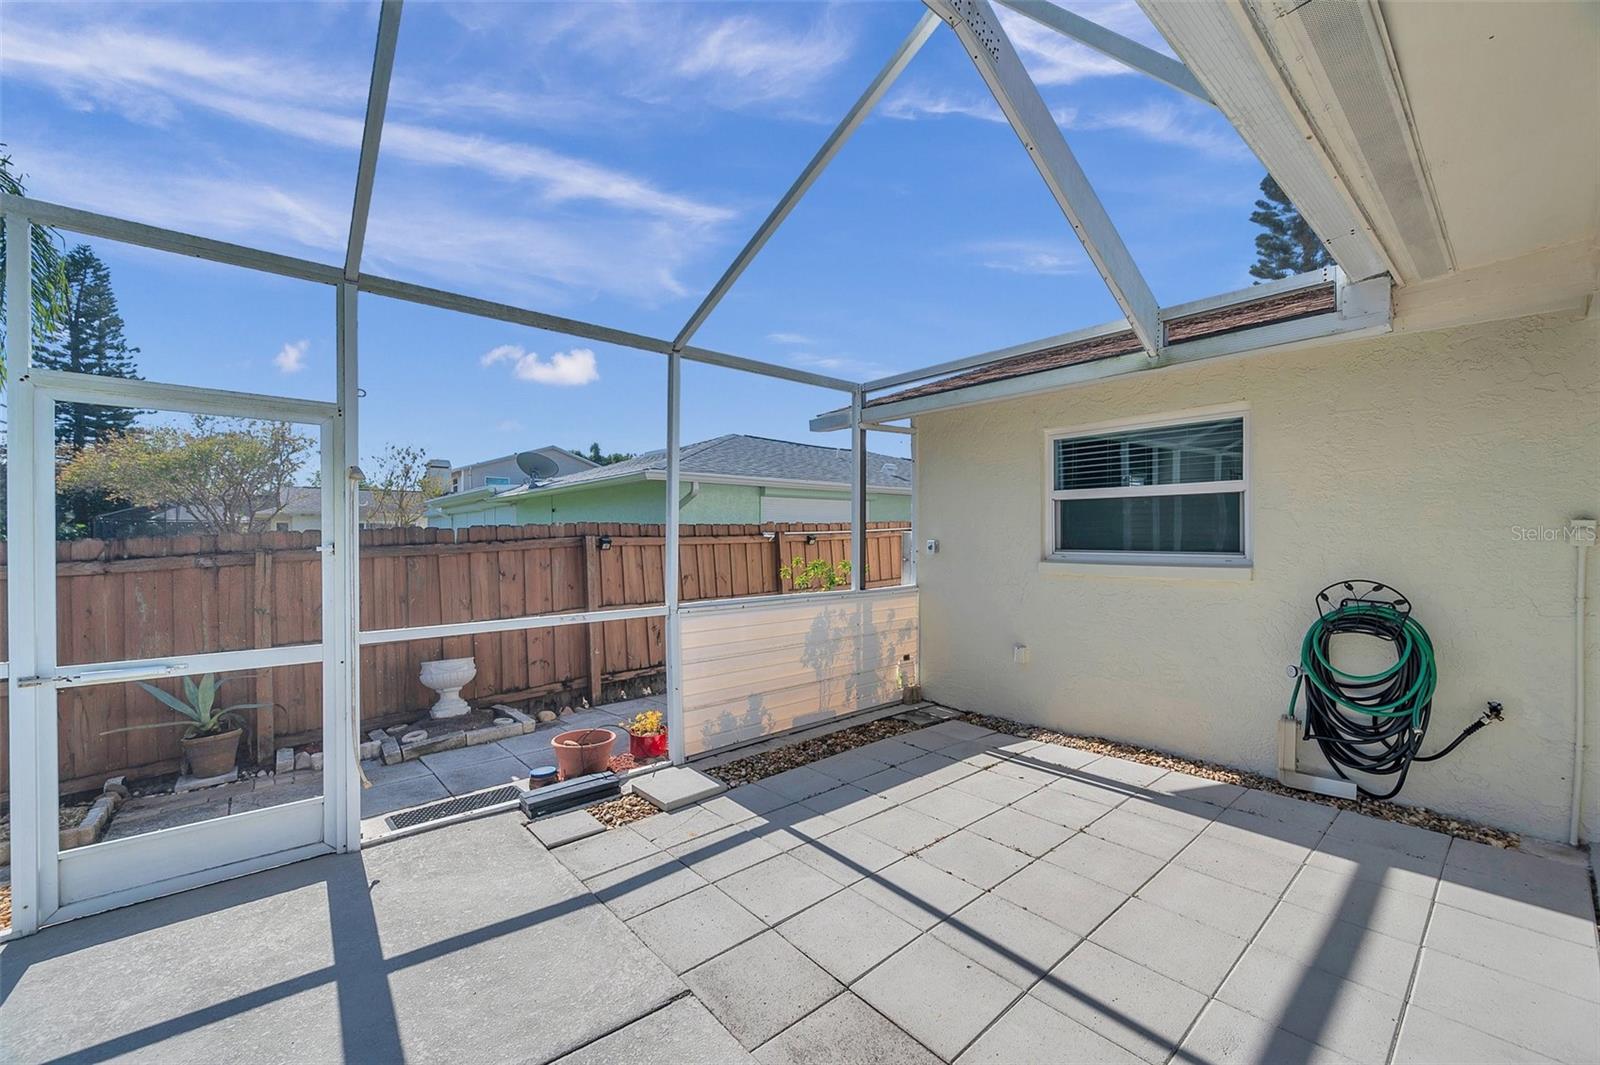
(602, 458)
(49, 277)
(88, 339)
(401, 487)
(1288, 246)
(229, 475)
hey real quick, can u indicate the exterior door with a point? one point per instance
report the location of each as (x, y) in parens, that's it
(180, 694)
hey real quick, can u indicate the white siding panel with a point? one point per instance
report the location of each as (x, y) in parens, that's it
(754, 670)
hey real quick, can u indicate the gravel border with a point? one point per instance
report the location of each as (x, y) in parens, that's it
(754, 767)
(1418, 816)
(623, 810)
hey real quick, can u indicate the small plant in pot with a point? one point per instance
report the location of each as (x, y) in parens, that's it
(212, 732)
(647, 734)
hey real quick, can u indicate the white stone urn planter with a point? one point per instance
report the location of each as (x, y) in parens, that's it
(448, 676)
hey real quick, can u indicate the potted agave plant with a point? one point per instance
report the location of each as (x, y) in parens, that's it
(647, 734)
(211, 740)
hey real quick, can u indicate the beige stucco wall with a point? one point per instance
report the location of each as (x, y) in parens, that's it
(1406, 459)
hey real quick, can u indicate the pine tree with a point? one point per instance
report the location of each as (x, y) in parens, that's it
(88, 339)
(1289, 246)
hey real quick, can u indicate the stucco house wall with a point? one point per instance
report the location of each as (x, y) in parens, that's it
(1424, 461)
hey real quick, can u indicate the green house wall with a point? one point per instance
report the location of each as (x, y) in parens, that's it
(645, 502)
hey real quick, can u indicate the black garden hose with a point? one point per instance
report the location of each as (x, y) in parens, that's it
(1374, 723)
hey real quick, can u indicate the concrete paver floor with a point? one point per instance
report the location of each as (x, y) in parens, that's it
(986, 900)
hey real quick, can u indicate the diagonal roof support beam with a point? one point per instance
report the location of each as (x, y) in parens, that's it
(848, 125)
(1128, 52)
(996, 59)
(372, 133)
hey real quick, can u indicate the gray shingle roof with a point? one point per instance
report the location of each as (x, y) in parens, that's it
(757, 457)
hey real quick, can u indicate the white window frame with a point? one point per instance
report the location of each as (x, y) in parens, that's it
(1150, 558)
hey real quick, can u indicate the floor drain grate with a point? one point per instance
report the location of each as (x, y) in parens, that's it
(463, 804)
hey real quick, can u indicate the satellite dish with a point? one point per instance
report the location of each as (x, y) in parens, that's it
(537, 465)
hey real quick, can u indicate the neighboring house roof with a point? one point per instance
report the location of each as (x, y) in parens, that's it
(306, 501)
(735, 458)
(1319, 299)
(573, 455)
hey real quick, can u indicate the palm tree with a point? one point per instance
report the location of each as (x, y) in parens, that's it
(49, 269)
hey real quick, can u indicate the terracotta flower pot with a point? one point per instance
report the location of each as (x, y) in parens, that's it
(214, 755)
(582, 751)
(642, 747)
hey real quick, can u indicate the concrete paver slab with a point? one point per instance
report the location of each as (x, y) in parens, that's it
(1032, 1031)
(1186, 950)
(846, 1029)
(1134, 1007)
(682, 1031)
(847, 934)
(677, 786)
(1005, 939)
(777, 888)
(761, 987)
(695, 928)
(941, 997)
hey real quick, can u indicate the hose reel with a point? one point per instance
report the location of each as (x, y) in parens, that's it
(1370, 724)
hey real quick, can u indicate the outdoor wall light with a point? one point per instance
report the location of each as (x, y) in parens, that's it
(811, 539)
(604, 543)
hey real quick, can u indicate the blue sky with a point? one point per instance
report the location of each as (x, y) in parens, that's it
(603, 161)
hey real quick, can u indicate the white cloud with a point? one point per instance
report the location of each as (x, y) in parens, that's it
(1054, 59)
(692, 55)
(564, 368)
(762, 60)
(914, 102)
(149, 78)
(1193, 127)
(291, 358)
(1197, 129)
(508, 425)
(789, 338)
(1029, 256)
(837, 364)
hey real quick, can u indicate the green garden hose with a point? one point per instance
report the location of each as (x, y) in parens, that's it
(1373, 723)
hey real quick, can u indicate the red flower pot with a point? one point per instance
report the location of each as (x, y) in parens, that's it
(642, 747)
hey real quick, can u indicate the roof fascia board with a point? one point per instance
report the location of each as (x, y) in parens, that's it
(847, 126)
(1364, 310)
(992, 53)
(1551, 281)
(1264, 290)
(774, 482)
(1128, 52)
(372, 133)
(983, 359)
(1220, 44)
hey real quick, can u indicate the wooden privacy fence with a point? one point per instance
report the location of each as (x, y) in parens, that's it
(157, 597)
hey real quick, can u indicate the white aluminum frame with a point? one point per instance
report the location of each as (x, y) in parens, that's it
(851, 122)
(1363, 309)
(1128, 52)
(31, 587)
(1013, 89)
(1243, 560)
(57, 885)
